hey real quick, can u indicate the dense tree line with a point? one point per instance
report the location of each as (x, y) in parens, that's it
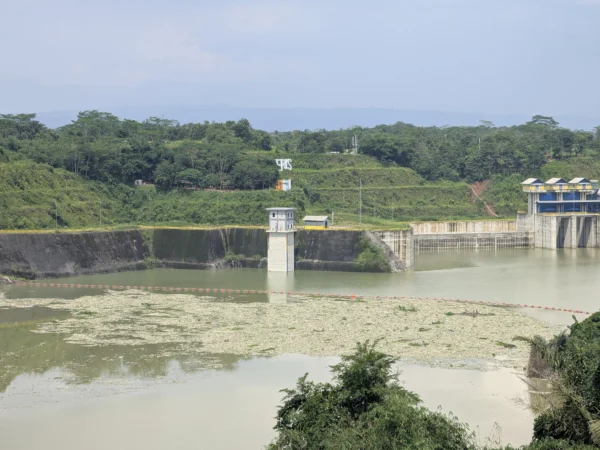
(102, 147)
(99, 146)
(455, 153)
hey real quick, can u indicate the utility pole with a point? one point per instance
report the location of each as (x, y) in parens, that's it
(360, 200)
(218, 195)
(56, 214)
(355, 144)
(99, 209)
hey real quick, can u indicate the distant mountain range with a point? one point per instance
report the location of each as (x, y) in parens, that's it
(282, 119)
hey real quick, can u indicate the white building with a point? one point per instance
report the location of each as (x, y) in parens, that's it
(316, 222)
(281, 231)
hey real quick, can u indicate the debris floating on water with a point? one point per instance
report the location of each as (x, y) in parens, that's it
(408, 329)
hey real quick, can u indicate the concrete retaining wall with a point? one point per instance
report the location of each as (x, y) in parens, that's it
(472, 241)
(525, 222)
(60, 254)
(481, 226)
(401, 243)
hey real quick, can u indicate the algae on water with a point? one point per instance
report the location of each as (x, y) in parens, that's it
(304, 325)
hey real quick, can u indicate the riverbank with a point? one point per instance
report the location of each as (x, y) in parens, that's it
(434, 333)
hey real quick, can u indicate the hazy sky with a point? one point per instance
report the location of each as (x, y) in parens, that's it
(491, 56)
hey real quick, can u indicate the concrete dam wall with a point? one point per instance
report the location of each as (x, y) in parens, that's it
(334, 250)
(41, 255)
(351, 251)
(55, 255)
(467, 226)
(472, 241)
(470, 235)
(202, 248)
(567, 232)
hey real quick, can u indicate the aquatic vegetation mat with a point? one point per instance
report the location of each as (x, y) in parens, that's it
(426, 331)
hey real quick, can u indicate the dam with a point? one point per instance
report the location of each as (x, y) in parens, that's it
(470, 235)
(561, 214)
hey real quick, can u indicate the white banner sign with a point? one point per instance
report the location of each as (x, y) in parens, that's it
(284, 164)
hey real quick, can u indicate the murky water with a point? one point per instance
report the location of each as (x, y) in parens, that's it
(225, 410)
(59, 395)
(558, 278)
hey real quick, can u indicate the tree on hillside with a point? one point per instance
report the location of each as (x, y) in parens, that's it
(220, 160)
(165, 174)
(254, 174)
(243, 130)
(193, 177)
(312, 142)
(336, 144)
(546, 121)
(20, 126)
(129, 129)
(386, 148)
(262, 140)
(92, 125)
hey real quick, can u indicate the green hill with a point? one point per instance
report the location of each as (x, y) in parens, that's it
(39, 196)
(83, 174)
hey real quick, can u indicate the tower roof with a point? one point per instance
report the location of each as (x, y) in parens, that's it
(530, 181)
(579, 180)
(556, 181)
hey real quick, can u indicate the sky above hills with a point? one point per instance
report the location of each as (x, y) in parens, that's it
(519, 57)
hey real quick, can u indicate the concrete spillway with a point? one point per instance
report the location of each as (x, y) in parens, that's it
(565, 231)
(469, 235)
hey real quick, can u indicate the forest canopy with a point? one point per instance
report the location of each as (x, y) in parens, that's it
(102, 147)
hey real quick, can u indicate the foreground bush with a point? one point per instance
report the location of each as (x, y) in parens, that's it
(570, 411)
(364, 408)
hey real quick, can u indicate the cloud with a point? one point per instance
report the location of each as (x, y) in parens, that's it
(255, 18)
(197, 45)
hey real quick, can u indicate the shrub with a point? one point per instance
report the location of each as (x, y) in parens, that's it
(364, 408)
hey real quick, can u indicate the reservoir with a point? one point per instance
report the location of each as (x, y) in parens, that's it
(64, 387)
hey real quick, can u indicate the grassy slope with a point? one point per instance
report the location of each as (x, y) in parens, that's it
(568, 169)
(321, 184)
(28, 193)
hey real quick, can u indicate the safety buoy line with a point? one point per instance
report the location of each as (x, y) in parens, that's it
(316, 294)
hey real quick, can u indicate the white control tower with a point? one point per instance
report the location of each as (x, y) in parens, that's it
(281, 239)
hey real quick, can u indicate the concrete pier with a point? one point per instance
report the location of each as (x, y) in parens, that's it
(566, 231)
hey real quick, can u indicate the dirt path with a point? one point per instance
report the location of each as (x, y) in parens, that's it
(477, 189)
